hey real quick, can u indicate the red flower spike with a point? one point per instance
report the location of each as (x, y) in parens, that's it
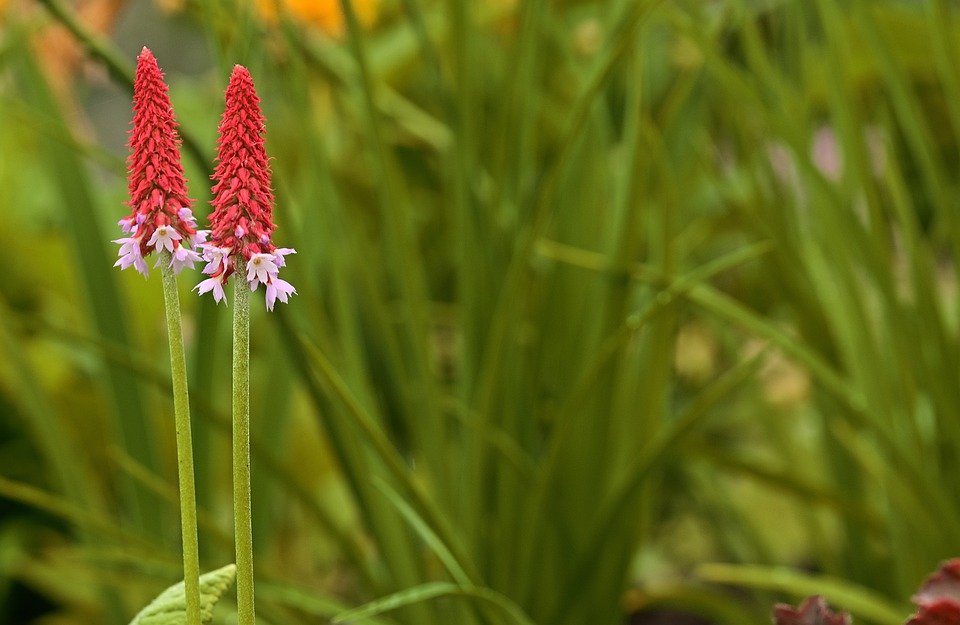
(813, 611)
(161, 216)
(242, 221)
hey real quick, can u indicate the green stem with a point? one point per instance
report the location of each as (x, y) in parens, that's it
(243, 526)
(181, 410)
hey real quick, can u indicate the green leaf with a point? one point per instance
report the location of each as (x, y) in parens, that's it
(859, 601)
(170, 606)
(433, 590)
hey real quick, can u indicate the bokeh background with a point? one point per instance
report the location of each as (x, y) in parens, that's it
(620, 311)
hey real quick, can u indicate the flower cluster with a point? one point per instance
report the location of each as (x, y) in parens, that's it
(161, 218)
(938, 603)
(242, 222)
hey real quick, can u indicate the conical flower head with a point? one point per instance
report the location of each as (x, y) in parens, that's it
(161, 217)
(242, 221)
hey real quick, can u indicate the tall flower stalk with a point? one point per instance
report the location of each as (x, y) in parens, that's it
(241, 244)
(242, 507)
(161, 221)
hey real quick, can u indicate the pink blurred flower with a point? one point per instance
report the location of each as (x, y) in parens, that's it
(938, 599)
(942, 612)
(825, 153)
(813, 611)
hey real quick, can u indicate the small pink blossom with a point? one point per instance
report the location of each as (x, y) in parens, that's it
(214, 285)
(198, 238)
(127, 225)
(278, 289)
(216, 258)
(261, 267)
(183, 258)
(130, 255)
(186, 216)
(163, 237)
(279, 253)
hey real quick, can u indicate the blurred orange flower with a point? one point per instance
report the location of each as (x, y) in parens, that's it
(322, 14)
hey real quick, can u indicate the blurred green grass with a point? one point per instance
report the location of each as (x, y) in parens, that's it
(591, 294)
